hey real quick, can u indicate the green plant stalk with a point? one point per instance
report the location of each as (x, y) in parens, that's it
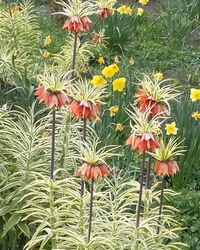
(84, 139)
(52, 217)
(91, 207)
(53, 144)
(148, 182)
(140, 193)
(161, 204)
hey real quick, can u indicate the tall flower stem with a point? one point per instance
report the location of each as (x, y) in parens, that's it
(89, 32)
(91, 207)
(74, 55)
(140, 193)
(84, 139)
(161, 204)
(53, 144)
(148, 183)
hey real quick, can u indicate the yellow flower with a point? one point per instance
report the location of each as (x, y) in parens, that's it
(158, 76)
(196, 115)
(46, 54)
(119, 84)
(47, 40)
(143, 2)
(140, 11)
(195, 94)
(119, 127)
(114, 110)
(132, 62)
(171, 128)
(116, 60)
(111, 70)
(125, 10)
(98, 81)
(45, 135)
(101, 60)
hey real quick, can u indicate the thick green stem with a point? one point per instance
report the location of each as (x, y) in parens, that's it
(161, 204)
(140, 193)
(91, 207)
(148, 182)
(53, 144)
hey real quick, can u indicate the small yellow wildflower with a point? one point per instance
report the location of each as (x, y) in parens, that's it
(143, 2)
(98, 81)
(132, 62)
(195, 94)
(119, 127)
(110, 71)
(196, 115)
(125, 10)
(171, 128)
(114, 110)
(116, 60)
(47, 40)
(101, 60)
(45, 135)
(119, 84)
(46, 54)
(158, 76)
(140, 11)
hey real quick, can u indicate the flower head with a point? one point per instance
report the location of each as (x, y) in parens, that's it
(143, 2)
(104, 13)
(158, 76)
(98, 81)
(140, 11)
(47, 40)
(110, 70)
(195, 94)
(45, 54)
(53, 89)
(154, 95)
(99, 38)
(144, 132)
(165, 164)
(105, 8)
(125, 10)
(171, 128)
(77, 13)
(101, 60)
(94, 165)
(119, 84)
(196, 115)
(114, 110)
(119, 127)
(87, 100)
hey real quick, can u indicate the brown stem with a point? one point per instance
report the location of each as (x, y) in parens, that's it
(91, 206)
(140, 193)
(53, 144)
(161, 204)
(74, 54)
(148, 183)
(84, 139)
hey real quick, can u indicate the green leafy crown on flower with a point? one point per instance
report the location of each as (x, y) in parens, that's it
(168, 150)
(160, 91)
(54, 81)
(83, 90)
(77, 8)
(142, 123)
(91, 152)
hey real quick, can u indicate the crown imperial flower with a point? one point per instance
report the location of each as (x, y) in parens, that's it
(92, 172)
(104, 13)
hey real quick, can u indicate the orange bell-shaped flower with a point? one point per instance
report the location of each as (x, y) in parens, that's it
(92, 172)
